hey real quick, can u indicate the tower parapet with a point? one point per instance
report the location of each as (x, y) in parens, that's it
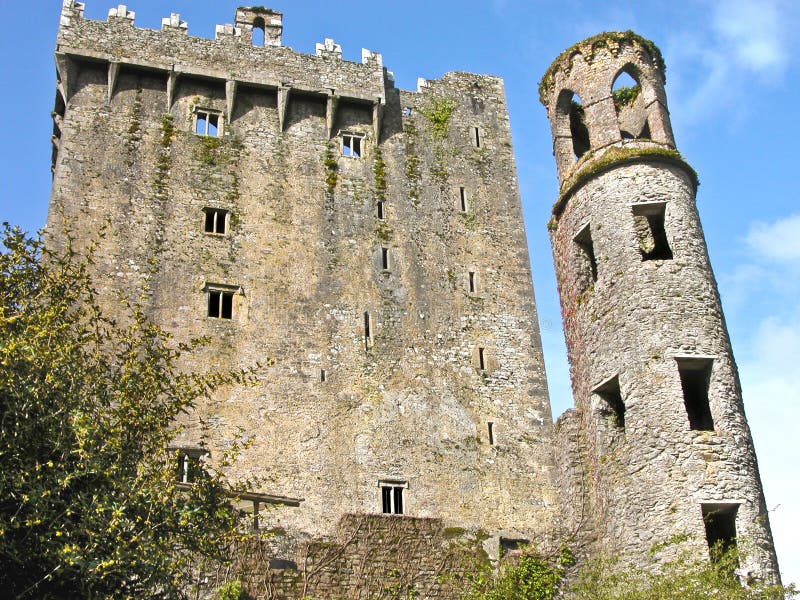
(666, 452)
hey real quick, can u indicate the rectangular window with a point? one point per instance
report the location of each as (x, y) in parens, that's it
(323, 376)
(462, 199)
(367, 332)
(648, 221)
(695, 373)
(491, 433)
(206, 122)
(380, 210)
(614, 405)
(476, 137)
(392, 497)
(220, 301)
(189, 464)
(352, 145)
(720, 523)
(585, 259)
(481, 359)
(216, 220)
(385, 259)
(472, 286)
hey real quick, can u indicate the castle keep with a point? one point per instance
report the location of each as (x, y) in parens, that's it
(364, 245)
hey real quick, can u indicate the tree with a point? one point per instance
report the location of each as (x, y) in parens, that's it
(90, 505)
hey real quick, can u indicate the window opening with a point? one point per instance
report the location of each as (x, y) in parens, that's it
(631, 112)
(472, 286)
(720, 524)
(380, 209)
(615, 406)
(577, 127)
(206, 123)
(216, 220)
(407, 111)
(587, 263)
(323, 376)
(259, 34)
(220, 304)
(481, 359)
(462, 193)
(392, 497)
(476, 137)
(491, 433)
(695, 376)
(367, 332)
(648, 221)
(385, 259)
(189, 464)
(351, 145)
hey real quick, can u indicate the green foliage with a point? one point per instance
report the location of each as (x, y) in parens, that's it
(90, 506)
(230, 591)
(625, 96)
(331, 168)
(439, 113)
(530, 576)
(208, 152)
(380, 175)
(684, 578)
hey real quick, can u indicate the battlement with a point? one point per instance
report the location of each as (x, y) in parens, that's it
(231, 58)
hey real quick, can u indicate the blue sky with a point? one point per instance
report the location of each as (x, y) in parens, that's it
(732, 68)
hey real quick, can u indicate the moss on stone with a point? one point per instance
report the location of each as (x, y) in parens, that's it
(331, 168)
(379, 170)
(608, 39)
(617, 156)
(439, 113)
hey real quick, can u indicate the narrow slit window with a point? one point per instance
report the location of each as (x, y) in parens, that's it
(472, 286)
(207, 123)
(367, 332)
(491, 433)
(351, 145)
(216, 221)
(220, 304)
(392, 497)
(586, 260)
(614, 405)
(385, 259)
(720, 524)
(482, 359)
(648, 221)
(476, 137)
(695, 376)
(323, 376)
(462, 199)
(189, 464)
(380, 210)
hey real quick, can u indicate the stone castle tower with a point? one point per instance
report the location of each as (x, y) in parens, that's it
(364, 245)
(658, 446)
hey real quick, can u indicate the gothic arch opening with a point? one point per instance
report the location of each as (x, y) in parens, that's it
(259, 31)
(626, 90)
(572, 123)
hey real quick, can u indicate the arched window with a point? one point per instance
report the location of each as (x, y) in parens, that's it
(631, 111)
(577, 127)
(571, 132)
(258, 31)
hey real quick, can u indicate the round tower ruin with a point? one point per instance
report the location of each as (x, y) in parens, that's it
(657, 453)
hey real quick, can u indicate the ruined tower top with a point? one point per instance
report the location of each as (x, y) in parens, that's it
(592, 111)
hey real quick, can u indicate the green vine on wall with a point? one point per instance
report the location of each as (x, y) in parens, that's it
(625, 96)
(331, 168)
(379, 169)
(439, 114)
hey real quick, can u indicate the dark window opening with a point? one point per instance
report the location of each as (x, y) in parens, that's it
(220, 304)
(587, 263)
(577, 127)
(380, 209)
(481, 359)
(385, 259)
(189, 466)
(695, 376)
(367, 333)
(392, 498)
(323, 376)
(462, 193)
(476, 137)
(259, 35)
(648, 221)
(216, 220)
(491, 433)
(472, 282)
(615, 406)
(206, 123)
(351, 145)
(720, 524)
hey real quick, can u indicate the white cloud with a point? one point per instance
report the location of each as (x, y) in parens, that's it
(778, 241)
(754, 33)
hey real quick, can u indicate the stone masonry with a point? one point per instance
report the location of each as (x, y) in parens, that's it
(363, 247)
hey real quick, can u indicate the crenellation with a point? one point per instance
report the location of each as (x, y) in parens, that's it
(121, 12)
(173, 23)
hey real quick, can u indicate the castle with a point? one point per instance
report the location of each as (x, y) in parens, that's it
(365, 246)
